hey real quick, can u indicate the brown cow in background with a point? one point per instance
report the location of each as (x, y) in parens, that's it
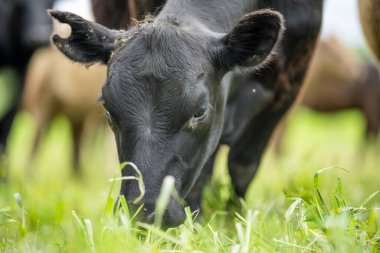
(369, 11)
(337, 81)
(56, 86)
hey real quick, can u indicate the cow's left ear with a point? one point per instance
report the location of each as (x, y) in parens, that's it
(250, 42)
(88, 42)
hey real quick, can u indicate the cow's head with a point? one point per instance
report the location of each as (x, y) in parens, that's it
(163, 95)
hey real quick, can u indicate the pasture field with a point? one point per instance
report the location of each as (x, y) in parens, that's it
(293, 205)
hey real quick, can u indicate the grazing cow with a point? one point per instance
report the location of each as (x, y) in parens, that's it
(24, 26)
(124, 12)
(55, 85)
(201, 74)
(370, 20)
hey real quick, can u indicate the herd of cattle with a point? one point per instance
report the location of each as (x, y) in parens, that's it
(178, 84)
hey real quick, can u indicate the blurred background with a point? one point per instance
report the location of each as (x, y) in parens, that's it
(55, 137)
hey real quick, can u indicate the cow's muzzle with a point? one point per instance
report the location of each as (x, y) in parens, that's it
(173, 216)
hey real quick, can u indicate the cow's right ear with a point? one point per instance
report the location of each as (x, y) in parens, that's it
(88, 42)
(251, 42)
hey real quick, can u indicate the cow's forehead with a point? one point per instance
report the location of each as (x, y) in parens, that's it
(150, 79)
(162, 49)
(161, 71)
(162, 61)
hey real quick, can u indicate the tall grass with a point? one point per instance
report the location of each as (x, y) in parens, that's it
(300, 202)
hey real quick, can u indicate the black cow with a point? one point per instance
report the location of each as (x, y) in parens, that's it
(24, 26)
(201, 74)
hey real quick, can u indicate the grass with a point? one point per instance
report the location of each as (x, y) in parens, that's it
(302, 201)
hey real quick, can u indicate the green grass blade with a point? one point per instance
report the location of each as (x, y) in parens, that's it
(367, 200)
(167, 189)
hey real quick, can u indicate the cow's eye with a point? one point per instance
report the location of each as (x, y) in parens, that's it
(201, 112)
(109, 118)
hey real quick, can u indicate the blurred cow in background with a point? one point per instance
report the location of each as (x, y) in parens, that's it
(338, 80)
(369, 11)
(56, 86)
(24, 26)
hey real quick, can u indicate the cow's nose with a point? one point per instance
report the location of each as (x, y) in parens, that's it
(145, 211)
(173, 216)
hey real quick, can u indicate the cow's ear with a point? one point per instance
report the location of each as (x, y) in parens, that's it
(251, 42)
(88, 42)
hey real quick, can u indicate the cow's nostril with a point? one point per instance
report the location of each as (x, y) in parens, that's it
(173, 217)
